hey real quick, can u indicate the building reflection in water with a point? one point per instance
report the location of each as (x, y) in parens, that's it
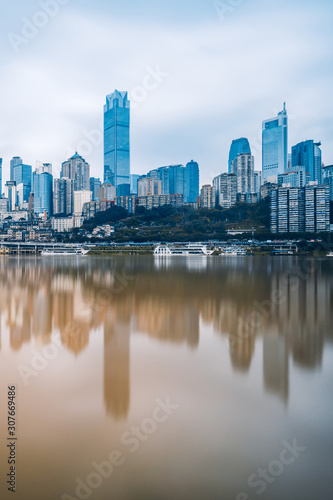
(167, 301)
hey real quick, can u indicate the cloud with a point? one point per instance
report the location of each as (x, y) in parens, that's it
(223, 79)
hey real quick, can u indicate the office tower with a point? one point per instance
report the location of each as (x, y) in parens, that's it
(11, 195)
(106, 192)
(16, 160)
(297, 177)
(80, 198)
(243, 167)
(117, 139)
(42, 185)
(134, 183)
(238, 147)
(225, 190)
(0, 178)
(149, 186)
(207, 196)
(308, 154)
(275, 145)
(77, 169)
(295, 210)
(95, 184)
(22, 175)
(192, 182)
(63, 196)
(257, 182)
(328, 179)
(173, 178)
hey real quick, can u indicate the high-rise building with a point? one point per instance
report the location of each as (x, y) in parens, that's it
(16, 160)
(238, 147)
(42, 185)
(257, 182)
(275, 145)
(243, 167)
(23, 175)
(63, 196)
(106, 192)
(173, 178)
(225, 190)
(207, 196)
(117, 139)
(95, 184)
(11, 195)
(134, 183)
(192, 182)
(80, 198)
(308, 154)
(77, 169)
(295, 210)
(148, 186)
(328, 178)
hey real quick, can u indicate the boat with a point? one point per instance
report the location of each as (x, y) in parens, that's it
(232, 251)
(330, 254)
(182, 250)
(64, 251)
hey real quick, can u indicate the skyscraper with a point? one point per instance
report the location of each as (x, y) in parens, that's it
(328, 178)
(225, 190)
(207, 196)
(275, 145)
(16, 160)
(134, 183)
(117, 139)
(77, 169)
(95, 184)
(308, 154)
(243, 167)
(238, 147)
(11, 194)
(23, 175)
(42, 185)
(63, 196)
(192, 182)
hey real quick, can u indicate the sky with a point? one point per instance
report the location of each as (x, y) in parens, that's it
(199, 74)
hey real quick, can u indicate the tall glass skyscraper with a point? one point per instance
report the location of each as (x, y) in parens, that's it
(13, 162)
(308, 154)
(42, 181)
(117, 139)
(238, 147)
(22, 175)
(275, 145)
(192, 182)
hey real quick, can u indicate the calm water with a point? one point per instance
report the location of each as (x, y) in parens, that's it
(195, 377)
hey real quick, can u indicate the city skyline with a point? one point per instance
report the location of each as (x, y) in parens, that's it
(168, 111)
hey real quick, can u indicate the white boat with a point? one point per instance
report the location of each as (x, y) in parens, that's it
(231, 251)
(64, 251)
(330, 254)
(182, 250)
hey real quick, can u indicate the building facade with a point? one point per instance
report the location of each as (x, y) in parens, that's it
(80, 198)
(192, 182)
(77, 169)
(42, 185)
(238, 147)
(63, 196)
(243, 167)
(148, 186)
(308, 154)
(225, 190)
(95, 184)
(328, 179)
(299, 210)
(207, 196)
(117, 139)
(275, 145)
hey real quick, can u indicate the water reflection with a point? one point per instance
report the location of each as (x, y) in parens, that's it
(287, 303)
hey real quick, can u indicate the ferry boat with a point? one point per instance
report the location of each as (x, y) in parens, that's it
(64, 251)
(330, 254)
(182, 250)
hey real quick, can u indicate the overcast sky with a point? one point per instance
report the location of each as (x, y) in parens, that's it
(220, 69)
